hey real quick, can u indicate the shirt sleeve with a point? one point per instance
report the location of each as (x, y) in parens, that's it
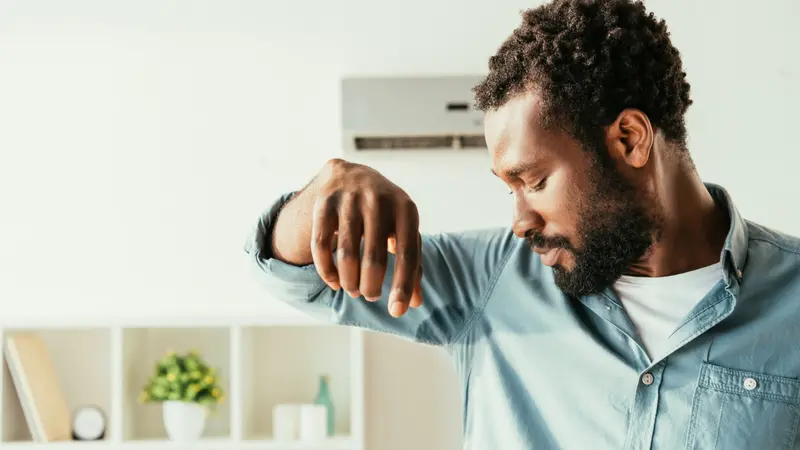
(459, 271)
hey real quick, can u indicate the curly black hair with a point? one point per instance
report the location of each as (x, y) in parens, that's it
(589, 60)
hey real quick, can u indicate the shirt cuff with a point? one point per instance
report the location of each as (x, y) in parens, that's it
(260, 241)
(286, 281)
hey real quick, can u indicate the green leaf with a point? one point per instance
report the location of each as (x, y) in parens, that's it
(183, 377)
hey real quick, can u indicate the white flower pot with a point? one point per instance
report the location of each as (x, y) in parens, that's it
(184, 421)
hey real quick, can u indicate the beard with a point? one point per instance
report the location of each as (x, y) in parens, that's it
(617, 226)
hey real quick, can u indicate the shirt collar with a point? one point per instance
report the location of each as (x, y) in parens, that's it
(734, 252)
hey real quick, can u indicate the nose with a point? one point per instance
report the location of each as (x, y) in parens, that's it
(526, 219)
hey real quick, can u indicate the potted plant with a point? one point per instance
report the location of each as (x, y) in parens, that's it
(187, 389)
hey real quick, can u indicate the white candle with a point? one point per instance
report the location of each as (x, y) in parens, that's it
(286, 422)
(313, 422)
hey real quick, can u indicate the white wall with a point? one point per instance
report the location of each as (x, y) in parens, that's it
(139, 141)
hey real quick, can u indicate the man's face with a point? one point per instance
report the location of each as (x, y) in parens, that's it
(581, 216)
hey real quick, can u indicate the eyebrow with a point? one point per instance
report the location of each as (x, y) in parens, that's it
(519, 169)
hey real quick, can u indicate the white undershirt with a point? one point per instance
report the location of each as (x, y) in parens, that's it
(657, 305)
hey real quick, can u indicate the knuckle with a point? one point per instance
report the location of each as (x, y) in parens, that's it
(319, 240)
(374, 258)
(345, 253)
(371, 199)
(335, 162)
(406, 289)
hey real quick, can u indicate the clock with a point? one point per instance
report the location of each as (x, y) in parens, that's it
(88, 424)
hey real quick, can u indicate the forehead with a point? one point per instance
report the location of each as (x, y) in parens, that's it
(516, 137)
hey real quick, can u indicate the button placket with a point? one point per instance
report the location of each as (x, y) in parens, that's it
(644, 408)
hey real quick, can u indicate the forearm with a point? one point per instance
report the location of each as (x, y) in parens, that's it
(458, 266)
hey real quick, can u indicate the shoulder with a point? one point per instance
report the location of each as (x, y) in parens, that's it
(765, 239)
(773, 258)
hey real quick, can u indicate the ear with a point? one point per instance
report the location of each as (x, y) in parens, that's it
(630, 138)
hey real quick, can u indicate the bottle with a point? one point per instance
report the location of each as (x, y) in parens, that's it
(324, 398)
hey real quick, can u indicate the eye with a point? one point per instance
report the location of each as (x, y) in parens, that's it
(541, 185)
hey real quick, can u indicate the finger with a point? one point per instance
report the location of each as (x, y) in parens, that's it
(323, 225)
(349, 242)
(406, 259)
(391, 244)
(373, 265)
(416, 296)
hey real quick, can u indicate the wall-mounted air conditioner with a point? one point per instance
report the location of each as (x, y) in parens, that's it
(411, 113)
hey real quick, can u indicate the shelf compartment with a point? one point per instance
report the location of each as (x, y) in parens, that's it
(79, 355)
(142, 348)
(282, 364)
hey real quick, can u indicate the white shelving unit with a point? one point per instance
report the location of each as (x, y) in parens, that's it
(261, 363)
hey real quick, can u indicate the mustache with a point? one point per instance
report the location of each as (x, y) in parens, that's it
(538, 240)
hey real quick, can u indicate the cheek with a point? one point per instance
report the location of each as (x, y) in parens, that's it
(562, 209)
(567, 261)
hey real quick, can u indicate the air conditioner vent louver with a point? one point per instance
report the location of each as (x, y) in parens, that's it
(411, 113)
(419, 142)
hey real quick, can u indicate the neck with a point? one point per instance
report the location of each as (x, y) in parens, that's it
(693, 228)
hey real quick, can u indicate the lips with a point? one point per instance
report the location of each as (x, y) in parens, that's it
(549, 256)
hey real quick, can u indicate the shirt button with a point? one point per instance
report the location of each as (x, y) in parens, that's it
(750, 383)
(647, 379)
(739, 274)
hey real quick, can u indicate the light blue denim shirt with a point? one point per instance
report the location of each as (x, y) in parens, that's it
(540, 370)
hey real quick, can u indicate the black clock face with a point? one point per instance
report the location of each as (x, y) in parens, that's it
(88, 424)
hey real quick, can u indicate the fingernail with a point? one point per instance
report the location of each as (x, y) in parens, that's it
(354, 294)
(397, 308)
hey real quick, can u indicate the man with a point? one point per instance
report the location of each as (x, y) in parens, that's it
(629, 307)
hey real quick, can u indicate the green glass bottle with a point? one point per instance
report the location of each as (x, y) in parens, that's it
(324, 398)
